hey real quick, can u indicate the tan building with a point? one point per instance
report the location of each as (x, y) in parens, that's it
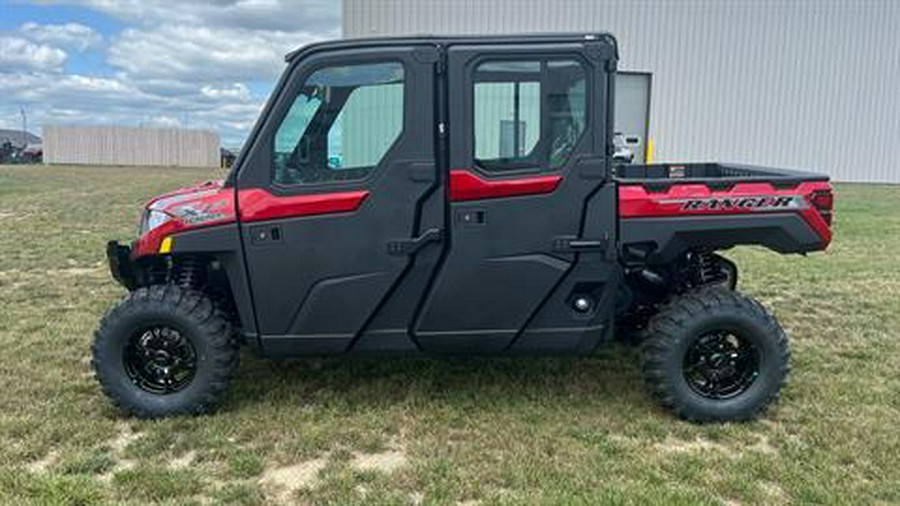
(118, 145)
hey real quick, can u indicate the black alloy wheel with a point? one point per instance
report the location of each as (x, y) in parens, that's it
(721, 365)
(714, 355)
(165, 350)
(160, 360)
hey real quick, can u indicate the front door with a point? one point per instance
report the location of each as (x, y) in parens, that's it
(337, 197)
(530, 263)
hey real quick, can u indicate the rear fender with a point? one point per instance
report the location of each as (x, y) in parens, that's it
(659, 226)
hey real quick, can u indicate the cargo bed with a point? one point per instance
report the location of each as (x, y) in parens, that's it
(667, 209)
(668, 173)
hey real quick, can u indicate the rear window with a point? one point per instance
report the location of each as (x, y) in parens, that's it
(528, 113)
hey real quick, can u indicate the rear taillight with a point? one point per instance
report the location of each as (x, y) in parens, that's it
(823, 201)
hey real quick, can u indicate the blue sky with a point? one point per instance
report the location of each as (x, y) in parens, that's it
(204, 64)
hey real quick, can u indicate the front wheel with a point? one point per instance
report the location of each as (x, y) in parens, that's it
(715, 355)
(164, 350)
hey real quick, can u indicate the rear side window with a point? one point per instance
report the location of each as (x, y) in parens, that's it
(340, 125)
(527, 114)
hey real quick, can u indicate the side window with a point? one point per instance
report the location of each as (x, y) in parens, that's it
(527, 114)
(507, 111)
(341, 124)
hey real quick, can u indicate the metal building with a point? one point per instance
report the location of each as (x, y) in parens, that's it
(118, 145)
(790, 83)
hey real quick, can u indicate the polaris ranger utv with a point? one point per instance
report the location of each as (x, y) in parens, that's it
(446, 196)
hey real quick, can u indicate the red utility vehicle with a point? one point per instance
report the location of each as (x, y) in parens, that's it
(448, 196)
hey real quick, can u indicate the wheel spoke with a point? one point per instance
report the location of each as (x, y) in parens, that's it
(160, 360)
(720, 364)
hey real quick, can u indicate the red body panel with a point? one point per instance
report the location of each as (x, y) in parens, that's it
(466, 185)
(204, 205)
(256, 204)
(693, 199)
(209, 204)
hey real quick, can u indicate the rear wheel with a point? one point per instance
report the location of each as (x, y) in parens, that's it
(715, 355)
(164, 350)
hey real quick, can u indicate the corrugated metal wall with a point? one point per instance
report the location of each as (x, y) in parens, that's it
(792, 83)
(117, 145)
(369, 123)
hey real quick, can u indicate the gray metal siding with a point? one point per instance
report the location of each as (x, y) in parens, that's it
(791, 83)
(116, 145)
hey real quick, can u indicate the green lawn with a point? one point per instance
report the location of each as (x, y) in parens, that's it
(507, 431)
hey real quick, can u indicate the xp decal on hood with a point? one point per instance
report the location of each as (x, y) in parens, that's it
(202, 205)
(202, 212)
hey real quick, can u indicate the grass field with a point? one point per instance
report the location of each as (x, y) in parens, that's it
(503, 431)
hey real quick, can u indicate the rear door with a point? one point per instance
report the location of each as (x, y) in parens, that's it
(339, 195)
(531, 217)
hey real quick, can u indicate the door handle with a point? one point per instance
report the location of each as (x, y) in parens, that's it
(411, 246)
(265, 234)
(568, 244)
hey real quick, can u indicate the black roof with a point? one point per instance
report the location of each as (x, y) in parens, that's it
(14, 137)
(524, 38)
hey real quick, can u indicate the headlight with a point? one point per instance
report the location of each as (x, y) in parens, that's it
(151, 220)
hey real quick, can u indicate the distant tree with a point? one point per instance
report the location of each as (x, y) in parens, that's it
(6, 152)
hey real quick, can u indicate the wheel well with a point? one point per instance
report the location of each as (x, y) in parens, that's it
(650, 284)
(201, 272)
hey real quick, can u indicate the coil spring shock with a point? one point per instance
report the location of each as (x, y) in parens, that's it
(156, 273)
(188, 272)
(707, 269)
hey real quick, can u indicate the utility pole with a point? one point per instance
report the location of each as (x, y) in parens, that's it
(24, 127)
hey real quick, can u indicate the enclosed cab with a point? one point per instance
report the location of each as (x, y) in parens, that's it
(447, 196)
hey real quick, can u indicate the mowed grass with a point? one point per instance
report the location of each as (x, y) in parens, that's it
(471, 431)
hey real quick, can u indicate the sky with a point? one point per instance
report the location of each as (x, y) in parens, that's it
(189, 63)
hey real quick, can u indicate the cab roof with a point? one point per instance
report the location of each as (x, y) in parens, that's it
(528, 38)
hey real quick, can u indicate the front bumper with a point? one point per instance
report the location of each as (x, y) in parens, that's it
(120, 265)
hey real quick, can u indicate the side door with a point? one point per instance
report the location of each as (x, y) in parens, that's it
(531, 213)
(331, 199)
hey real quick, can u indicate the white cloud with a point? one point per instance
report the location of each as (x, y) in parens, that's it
(321, 17)
(188, 63)
(80, 99)
(73, 35)
(235, 91)
(203, 53)
(18, 54)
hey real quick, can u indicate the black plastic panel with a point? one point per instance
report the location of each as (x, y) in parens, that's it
(504, 266)
(318, 287)
(503, 273)
(669, 237)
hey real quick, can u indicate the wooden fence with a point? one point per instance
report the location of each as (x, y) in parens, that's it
(117, 145)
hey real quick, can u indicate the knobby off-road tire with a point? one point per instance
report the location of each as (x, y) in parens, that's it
(202, 334)
(701, 327)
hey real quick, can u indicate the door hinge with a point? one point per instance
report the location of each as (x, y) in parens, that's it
(411, 246)
(442, 129)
